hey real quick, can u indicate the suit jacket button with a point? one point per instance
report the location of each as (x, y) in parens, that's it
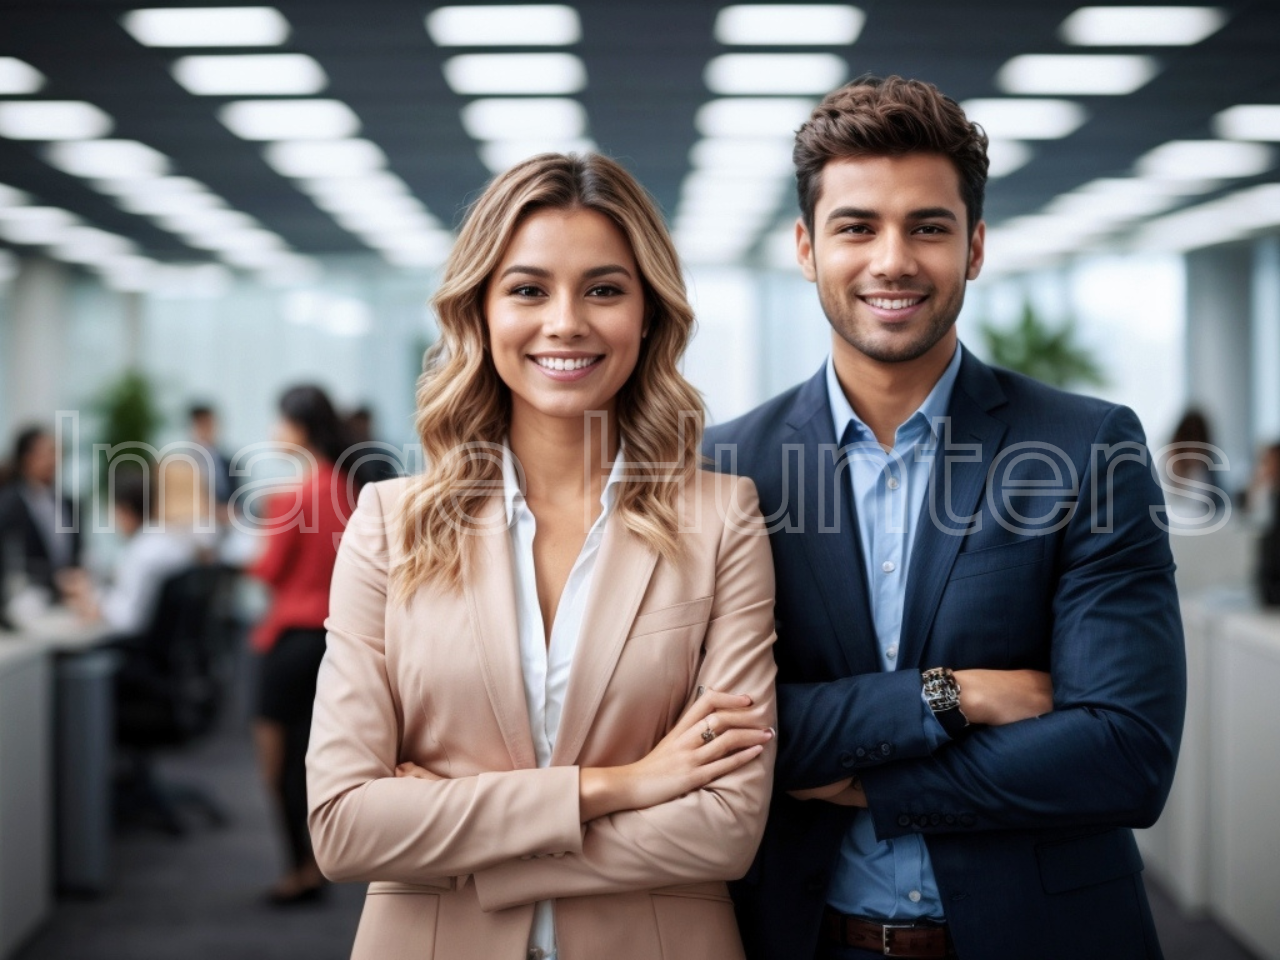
(885, 749)
(949, 819)
(967, 819)
(846, 760)
(860, 752)
(935, 818)
(922, 820)
(904, 820)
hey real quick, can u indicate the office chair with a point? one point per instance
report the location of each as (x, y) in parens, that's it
(170, 689)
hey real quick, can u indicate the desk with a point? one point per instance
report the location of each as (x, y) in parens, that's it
(56, 733)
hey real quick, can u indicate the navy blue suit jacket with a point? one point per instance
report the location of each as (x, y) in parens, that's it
(1038, 547)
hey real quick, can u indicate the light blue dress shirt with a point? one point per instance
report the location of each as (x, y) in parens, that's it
(889, 879)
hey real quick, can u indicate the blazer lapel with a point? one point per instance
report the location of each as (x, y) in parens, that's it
(618, 584)
(966, 447)
(830, 534)
(491, 601)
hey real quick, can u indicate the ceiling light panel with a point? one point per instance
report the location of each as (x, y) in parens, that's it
(325, 158)
(248, 74)
(1260, 121)
(536, 118)
(168, 204)
(80, 244)
(515, 73)
(9, 197)
(17, 77)
(1006, 156)
(381, 183)
(289, 119)
(208, 27)
(35, 225)
(752, 117)
(787, 25)
(1197, 159)
(1026, 119)
(1141, 26)
(206, 222)
(52, 120)
(775, 73)
(523, 25)
(500, 155)
(1096, 74)
(107, 159)
(765, 155)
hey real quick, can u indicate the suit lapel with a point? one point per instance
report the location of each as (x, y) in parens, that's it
(831, 538)
(618, 584)
(491, 601)
(967, 445)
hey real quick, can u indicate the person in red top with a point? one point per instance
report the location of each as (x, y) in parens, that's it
(303, 525)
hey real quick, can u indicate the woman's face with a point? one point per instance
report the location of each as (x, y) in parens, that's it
(565, 310)
(289, 433)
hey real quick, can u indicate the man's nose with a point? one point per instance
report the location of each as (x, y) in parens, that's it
(893, 257)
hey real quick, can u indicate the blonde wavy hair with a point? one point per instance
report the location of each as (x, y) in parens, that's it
(464, 408)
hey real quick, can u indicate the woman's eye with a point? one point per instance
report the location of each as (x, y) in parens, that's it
(604, 290)
(525, 290)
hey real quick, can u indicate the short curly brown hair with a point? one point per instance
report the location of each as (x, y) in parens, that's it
(889, 116)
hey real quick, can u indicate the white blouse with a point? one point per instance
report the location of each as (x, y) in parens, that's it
(546, 667)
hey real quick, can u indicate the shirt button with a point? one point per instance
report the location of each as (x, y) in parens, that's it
(914, 896)
(892, 483)
(892, 651)
(888, 566)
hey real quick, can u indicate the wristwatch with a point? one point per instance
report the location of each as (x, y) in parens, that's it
(942, 693)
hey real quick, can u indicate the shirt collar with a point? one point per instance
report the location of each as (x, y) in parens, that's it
(513, 496)
(919, 425)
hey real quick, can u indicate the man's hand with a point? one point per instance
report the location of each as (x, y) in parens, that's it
(844, 793)
(997, 697)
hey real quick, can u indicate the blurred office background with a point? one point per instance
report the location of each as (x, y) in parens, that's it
(208, 205)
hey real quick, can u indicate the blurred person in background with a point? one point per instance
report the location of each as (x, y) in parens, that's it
(204, 431)
(303, 524)
(38, 533)
(157, 518)
(542, 721)
(1192, 497)
(1262, 508)
(368, 460)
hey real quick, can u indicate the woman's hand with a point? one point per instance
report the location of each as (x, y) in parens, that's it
(682, 761)
(411, 769)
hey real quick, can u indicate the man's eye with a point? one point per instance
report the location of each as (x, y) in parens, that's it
(932, 229)
(859, 228)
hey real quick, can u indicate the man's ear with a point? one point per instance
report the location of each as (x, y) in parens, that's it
(977, 250)
(804, 252)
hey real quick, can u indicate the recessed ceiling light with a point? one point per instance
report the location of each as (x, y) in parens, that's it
(1039, 119)
(766, 155)
(787, 25)
(52, 120)
(208, 27)
(400, 203)
(1108, 206)
(253, 239)
(500, 155)
(155, 186)
(752, 117)
(206, 222)
(372, 185)
(162, 204)
(19, 77)
(9, 197)
(1196, 159)
(289, 119)
(250, 73)
(522, 25)
(543, 118)
(89, 245)
(385, 222)
(1141, 26)
(107, 159)
(739, 73)
(502, 73)
(1076, 73)
(325, 158)
(1260, 121)
(35, 225)
(1006, 156)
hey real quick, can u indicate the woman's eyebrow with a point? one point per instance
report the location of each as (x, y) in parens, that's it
(605, 270)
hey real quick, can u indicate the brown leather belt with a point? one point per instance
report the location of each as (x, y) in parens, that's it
(923, 939)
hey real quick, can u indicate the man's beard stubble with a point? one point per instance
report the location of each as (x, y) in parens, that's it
(841, 318)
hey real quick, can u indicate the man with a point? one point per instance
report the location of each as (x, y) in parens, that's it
(980, 662)
(204, 431)
(38, 535)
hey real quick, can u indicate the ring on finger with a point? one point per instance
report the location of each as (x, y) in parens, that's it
(708, 734)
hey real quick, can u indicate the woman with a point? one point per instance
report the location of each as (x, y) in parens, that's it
(512, 708)
(303, 525)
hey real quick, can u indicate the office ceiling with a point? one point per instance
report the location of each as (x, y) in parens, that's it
(644, 62)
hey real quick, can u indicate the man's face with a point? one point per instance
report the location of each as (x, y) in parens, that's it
(890, 252)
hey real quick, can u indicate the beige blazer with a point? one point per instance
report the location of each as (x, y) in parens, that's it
(456, 865)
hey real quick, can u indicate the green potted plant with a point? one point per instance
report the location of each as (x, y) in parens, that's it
(1050, 354)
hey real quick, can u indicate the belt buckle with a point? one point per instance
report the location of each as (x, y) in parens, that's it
(886, 929)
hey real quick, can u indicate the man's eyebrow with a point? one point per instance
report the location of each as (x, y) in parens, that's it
(852, 213)
(933, 213)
